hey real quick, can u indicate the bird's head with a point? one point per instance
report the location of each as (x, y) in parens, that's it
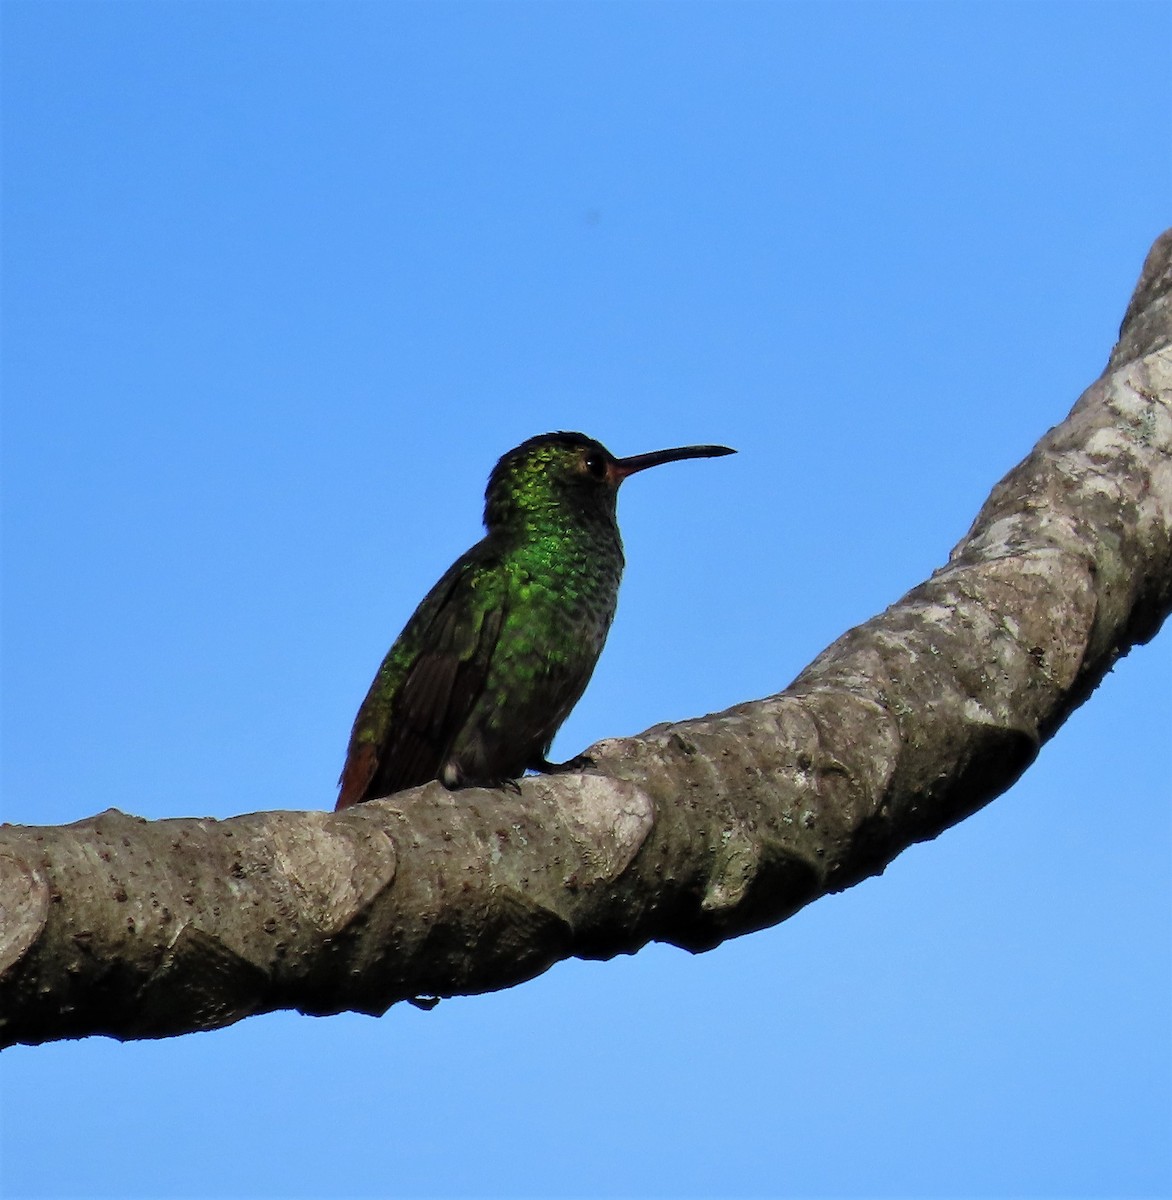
(568, 472)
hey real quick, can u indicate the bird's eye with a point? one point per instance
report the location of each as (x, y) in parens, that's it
(596, 464)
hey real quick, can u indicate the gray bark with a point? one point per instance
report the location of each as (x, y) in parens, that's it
(691, 833)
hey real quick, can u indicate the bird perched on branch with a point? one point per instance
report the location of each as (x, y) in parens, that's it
(501, 649)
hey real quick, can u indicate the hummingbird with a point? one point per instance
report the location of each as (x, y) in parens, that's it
(501, 649)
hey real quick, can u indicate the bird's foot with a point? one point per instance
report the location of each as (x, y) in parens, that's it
(578, 763)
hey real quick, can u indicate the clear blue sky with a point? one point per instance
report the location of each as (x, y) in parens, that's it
(281, 281)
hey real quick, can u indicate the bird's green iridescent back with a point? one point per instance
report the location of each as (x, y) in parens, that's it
(558, 601)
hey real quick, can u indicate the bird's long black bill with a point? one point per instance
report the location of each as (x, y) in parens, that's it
(640, 462)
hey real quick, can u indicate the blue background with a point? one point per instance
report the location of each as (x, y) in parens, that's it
(280, 284)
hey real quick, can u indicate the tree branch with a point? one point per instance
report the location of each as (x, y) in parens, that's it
(691, 833)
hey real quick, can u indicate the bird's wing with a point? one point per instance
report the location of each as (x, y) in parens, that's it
(427, 683)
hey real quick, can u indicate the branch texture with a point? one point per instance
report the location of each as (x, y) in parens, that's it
(690, 833)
